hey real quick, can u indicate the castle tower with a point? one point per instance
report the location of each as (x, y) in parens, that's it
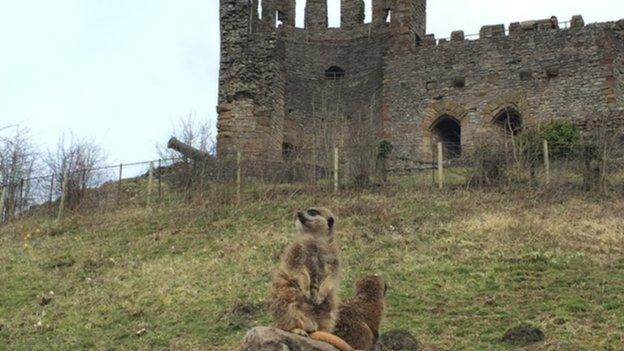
(250, 78)
(408, 20)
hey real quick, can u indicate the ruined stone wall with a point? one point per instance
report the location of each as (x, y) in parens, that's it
(544, 74)
(398, 81)
(313, 101)
(618, 64)
(251, 85)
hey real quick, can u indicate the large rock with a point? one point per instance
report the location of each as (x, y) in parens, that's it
(271, 339)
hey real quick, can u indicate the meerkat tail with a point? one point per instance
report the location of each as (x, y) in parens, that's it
(332, 339)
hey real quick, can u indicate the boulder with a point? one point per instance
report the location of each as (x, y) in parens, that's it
(272, 339)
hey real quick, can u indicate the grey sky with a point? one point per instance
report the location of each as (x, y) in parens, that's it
(123, 71)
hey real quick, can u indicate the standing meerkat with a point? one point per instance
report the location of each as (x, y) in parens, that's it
(359, 317)
(304, 285)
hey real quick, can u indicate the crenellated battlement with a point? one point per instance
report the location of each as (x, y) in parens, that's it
(513, 30)
(405, 16)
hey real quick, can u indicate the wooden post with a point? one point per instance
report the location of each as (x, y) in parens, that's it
(335, 170)
(63, 195)
(239, 156)
(150, 180)
(119, 183)
(51, 194)
(159, 179)
(20, 204)
(603, 169)
(546, 162)
(440, 167)
(3, 203)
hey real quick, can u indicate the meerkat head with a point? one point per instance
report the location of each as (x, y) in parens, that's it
(316, 221)
(372, 287)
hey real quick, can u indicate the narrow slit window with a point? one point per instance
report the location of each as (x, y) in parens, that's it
(278, 19)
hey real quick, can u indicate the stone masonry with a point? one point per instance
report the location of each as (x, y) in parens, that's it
(279, 85)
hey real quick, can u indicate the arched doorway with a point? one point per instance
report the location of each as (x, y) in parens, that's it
(509, 120)
(447, 130)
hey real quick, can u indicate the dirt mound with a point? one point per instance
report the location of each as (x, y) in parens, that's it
(523, 335)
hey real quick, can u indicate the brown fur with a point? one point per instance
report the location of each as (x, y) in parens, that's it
(304, 285)
(359, 318)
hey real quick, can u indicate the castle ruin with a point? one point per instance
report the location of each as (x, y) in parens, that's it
(390, 80)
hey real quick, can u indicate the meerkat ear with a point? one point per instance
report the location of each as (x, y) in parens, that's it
(330, 222)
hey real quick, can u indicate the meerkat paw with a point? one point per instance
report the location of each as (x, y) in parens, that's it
(300, 332)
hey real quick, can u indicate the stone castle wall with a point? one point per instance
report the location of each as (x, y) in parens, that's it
(398, 82)
(544, 75)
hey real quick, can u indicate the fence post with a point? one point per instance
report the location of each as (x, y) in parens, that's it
(546, 162)
(239, 156)
(119, 183)
(51, 194)
(335, 169)
(440, 167)
(603, 169)
(20, 204)
(3, 203)
(150, 180)
(159, 179)
(63, 195)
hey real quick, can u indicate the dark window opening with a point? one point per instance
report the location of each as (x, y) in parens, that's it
(288, 151)
(334, 73)
(417, 40)
(510, 121)
(447, 130)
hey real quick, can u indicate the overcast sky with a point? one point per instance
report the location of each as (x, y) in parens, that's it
(121, 72)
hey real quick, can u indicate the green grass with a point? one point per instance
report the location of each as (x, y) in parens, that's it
(462, 266)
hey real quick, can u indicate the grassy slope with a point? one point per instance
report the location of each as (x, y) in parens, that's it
(462, 268)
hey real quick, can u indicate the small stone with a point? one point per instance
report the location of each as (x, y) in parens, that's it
(523, 335)
(46, 298)
(141, 332)
(397, 339)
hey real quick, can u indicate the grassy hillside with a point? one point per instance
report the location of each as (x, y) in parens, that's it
(462, 268)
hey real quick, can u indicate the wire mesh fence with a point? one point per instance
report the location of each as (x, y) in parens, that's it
(233, 178)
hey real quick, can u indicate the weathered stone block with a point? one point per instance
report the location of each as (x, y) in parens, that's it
(429, 40)
(577, 22)
(497, 30)
(457, 35)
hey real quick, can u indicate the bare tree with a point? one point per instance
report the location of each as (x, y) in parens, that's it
(18, 159)
(79, 159)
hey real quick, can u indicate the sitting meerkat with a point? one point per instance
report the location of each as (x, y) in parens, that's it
(359, 317)
(304, 285)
